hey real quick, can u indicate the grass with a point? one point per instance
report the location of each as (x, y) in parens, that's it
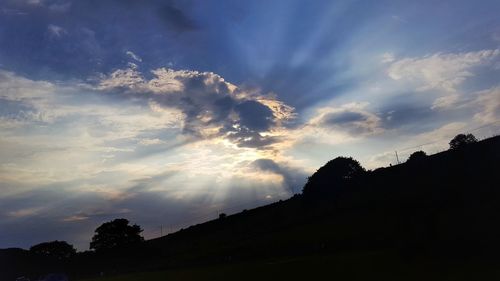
(365, 266)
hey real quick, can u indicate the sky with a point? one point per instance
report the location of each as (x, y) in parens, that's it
(169, 112)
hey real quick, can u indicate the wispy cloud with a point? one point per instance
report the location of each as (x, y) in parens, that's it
(133, 56)
(489, 101)
(440, 71)
(56, 31)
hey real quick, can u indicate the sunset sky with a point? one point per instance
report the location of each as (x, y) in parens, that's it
(168, 112)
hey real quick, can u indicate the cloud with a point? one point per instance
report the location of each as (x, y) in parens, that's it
(148, 142)
(34, 2)
(122, 78)
(24, 212)
(440, 71)
(56, 31)
(177, 145)
(293, 178)
(133, 56)
(489, 102)
(387, 58)
(485, 103)
(211, 107)
(352, 118)
(176, 19)
(60, 7)
(445, 102)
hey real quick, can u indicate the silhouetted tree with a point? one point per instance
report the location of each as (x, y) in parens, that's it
(55, 249)
(336, 174)
(417, 156)
(462, 140)
(116, 233)
(222, 216)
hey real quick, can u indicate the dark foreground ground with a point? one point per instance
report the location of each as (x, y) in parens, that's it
(354, 266)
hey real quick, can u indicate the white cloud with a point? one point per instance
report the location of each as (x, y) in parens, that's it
(489, 102)
(440, 71)
(445, 102)
(169, 80)
(56, 31)
(485, 103)
(123, 78)
(133, 56)
(147, 142)
(387, 57)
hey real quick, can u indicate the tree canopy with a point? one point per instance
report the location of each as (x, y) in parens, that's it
(417, 156)
(55, 249)
(114, 234)
(335, 174)
(462, 140)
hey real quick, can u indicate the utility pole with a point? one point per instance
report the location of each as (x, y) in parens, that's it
(161, 230)
(397, 158)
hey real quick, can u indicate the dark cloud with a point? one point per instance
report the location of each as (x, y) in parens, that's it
(254, 115)
(343, 117)
(248, 138)
(355, 120)
(177, 19)
(294, 178)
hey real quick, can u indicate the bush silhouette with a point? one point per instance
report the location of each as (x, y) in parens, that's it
(114, 234)
(333, 176)
(417, 156)
(55, 249)
(462, 140)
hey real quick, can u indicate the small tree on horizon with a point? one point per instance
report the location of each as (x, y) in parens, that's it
(337, 173)
(115, 234)
(417, 156)
(54, 249)
(462, 140)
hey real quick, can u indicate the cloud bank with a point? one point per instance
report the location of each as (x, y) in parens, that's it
(211, 107)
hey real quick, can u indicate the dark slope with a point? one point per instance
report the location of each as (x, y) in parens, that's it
(443, 207)
(446, 204)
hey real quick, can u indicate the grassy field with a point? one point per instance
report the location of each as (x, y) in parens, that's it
(368, 266)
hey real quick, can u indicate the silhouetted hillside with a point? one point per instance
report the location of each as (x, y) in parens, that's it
(441, 207)
(446, 204)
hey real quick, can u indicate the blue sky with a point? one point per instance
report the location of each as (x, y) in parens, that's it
(168, 112)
